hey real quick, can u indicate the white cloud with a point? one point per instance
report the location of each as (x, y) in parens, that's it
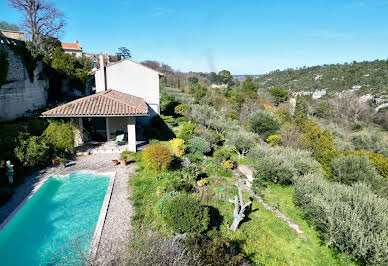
(157, 12)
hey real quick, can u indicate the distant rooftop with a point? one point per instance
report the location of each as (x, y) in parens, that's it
(71, 46)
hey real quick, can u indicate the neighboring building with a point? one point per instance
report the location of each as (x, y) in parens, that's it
(72, 48)
(132, 78)
(17, 35)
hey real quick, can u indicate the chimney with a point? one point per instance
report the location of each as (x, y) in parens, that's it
(76, 41)
(103, 71)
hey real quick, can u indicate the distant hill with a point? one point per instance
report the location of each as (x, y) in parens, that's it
(363, 77)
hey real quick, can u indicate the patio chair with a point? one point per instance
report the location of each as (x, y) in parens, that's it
(118, 140)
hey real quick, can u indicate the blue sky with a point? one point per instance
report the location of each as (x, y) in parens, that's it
(245, 37)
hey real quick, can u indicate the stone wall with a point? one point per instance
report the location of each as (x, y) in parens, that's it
(19, 94)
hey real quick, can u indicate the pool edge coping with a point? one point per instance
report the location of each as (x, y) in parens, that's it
(46, 177)
(93, 250)
(20, 206)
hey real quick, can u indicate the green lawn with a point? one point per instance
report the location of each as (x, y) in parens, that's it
(263, 238)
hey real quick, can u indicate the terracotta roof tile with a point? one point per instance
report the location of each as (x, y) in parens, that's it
(106, 103)
(72, 46)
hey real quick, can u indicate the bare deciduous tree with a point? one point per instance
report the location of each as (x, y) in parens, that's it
(39, 18)
(239, 209)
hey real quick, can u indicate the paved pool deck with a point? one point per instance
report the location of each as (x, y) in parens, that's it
(117, 223)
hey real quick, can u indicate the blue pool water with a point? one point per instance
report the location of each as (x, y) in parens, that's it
(57, 220)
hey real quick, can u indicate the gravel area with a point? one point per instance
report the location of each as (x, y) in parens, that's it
(117, 222)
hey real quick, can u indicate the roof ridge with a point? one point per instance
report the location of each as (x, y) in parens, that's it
(117, 100)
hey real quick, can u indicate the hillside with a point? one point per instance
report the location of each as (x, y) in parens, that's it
(363, 77)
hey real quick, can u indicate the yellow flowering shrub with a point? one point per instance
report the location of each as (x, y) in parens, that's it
(273, 140)
(228, 165)
(202, 182)
(178, 147)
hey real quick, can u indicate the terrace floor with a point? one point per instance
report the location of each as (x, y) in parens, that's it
(94, 147)
(117, 224)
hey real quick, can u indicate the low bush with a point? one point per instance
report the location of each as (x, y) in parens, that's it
(182, 109)
(352, 218)
(187, 132)
(351, 169)
(369, 141)
(215, 139)
(162, 203)
(148, 248)
(228, 165)
(9, 140)
(198, 146)
(60, 136)
(281, 165)
(157, 156)
(32, 151)
(184, 214)
(223, 154)
(273, 140)
(215, 249)
(264, 124)
(37, 126)
(378, 160)
(178, 147)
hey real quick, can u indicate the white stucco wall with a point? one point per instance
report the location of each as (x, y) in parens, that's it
(134, 79)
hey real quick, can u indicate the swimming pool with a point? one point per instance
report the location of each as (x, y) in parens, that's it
(60, 218)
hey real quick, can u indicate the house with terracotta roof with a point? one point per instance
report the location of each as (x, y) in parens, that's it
(74, 48)
(126, 98)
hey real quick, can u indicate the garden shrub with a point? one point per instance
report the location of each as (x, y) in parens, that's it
(264, 124)
(223, 154)
(37, 126)
(378, 160)
(157, 156)
(198, 146)
(374, 142)
(274, 140)
(211, 136)
(351, 169)
(352, 218)
(242, 141)
(9, 140)
(228, 165)
(182, 109)
(32, 151)
(184, 213)
(282, 165)
(60, 136)
(319, 142)
(162, 203)
(187, 132)
(178, 147)
(215, 249)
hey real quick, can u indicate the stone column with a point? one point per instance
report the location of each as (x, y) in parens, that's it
(81, 130)
(107, 129)
(131, 133)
